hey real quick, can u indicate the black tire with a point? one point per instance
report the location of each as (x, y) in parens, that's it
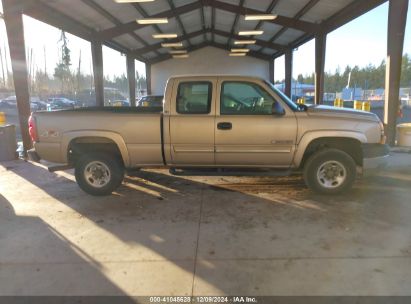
(339, 163)
(108, 163)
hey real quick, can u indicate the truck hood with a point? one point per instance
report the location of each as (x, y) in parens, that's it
(329, 111)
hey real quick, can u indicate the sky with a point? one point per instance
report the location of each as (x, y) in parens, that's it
(360, 42)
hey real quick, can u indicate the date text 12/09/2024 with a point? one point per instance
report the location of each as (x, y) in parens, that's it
(204, 299)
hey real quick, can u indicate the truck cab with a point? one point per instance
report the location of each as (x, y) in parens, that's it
(228, 121)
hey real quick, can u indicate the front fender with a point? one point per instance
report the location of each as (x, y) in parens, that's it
(308, 137)
(67, 137)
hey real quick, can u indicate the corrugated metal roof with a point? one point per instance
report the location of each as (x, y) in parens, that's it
(115, 23)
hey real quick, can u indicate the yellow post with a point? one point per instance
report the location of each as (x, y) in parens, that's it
(2, 118)
(338, 102)
(357, 105)
(366, 106)
(301, 100)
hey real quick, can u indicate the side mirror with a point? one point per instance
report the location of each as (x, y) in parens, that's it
(277, 109)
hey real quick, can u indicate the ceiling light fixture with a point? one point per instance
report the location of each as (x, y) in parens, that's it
(250, 33)
(176, 52)
(238, 42)
(132, 1)
(164, 36)
(152, 21)
(180, 56)
(172, 44)
(237, 54)
(260, 17)
(240, 50)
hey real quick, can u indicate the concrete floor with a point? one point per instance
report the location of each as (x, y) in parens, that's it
(168, 235)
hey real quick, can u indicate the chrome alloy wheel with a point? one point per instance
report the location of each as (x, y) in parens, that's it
(97, 174)
(331, 174)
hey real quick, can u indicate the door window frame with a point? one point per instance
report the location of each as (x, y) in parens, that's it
(221, 86)
(209, 101)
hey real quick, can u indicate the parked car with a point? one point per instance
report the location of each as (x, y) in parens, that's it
(60, 103)
(11, 103)
(213, 121)
(120, 103)
(150, 101)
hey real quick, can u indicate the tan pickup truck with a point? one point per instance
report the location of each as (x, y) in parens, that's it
(213, 121)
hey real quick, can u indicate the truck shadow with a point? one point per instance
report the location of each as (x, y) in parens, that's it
(36, 259)
(163, 213)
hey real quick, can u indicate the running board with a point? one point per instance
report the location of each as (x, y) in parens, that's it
(230, 172)
(54, 168)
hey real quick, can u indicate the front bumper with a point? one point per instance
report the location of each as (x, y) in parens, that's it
(375, 158)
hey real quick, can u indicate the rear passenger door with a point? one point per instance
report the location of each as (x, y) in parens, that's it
(192, 122)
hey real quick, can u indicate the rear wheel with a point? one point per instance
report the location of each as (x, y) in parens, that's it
(99, 173)
(330, 171)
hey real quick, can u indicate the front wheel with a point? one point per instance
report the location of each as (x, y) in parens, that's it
(330, 171)
(98, 173)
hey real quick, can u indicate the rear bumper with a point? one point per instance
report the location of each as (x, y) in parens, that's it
(33, 156)
(375, 158)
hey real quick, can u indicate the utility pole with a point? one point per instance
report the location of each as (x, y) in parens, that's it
(78, 72)
(45, 61)
(2, 68)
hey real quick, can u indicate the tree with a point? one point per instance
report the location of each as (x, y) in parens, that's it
(62, 70)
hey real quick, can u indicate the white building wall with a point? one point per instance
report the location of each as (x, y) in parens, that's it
(208, 60)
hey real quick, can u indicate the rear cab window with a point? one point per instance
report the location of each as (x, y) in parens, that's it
(194, 97)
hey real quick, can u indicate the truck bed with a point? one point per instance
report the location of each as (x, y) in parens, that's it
(137, 130)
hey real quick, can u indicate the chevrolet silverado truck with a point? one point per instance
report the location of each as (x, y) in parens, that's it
(214, 122)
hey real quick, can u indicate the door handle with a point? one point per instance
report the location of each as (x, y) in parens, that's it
(224, 126)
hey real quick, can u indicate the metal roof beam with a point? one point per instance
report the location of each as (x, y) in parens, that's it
(157, 46)
(259, 42)
(179, 22)
(168, 56)
(237, 16)
(209, 43)
(280, 20)
(297, 16)
(269, 10)
(133, 25)
(251, 53)
(113, 19)
(347, 14)
(228, 35)
(215, 4)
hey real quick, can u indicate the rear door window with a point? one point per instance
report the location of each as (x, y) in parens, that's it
(194, 97)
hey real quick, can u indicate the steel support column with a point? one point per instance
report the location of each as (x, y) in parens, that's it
(288, 71)
(97, 57)
(271, 70)
(320, 48)
(131, 76)
(148, 78)
(397, 18)
(14, 26)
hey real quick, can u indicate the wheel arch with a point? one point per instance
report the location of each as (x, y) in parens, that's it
(95, 141)
(349, 142)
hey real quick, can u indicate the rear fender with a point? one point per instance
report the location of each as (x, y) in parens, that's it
(115, 137)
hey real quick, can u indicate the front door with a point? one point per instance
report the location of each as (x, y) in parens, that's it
(246, 131)
(192, 122)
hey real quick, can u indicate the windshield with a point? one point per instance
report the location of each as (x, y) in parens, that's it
(284, 97)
